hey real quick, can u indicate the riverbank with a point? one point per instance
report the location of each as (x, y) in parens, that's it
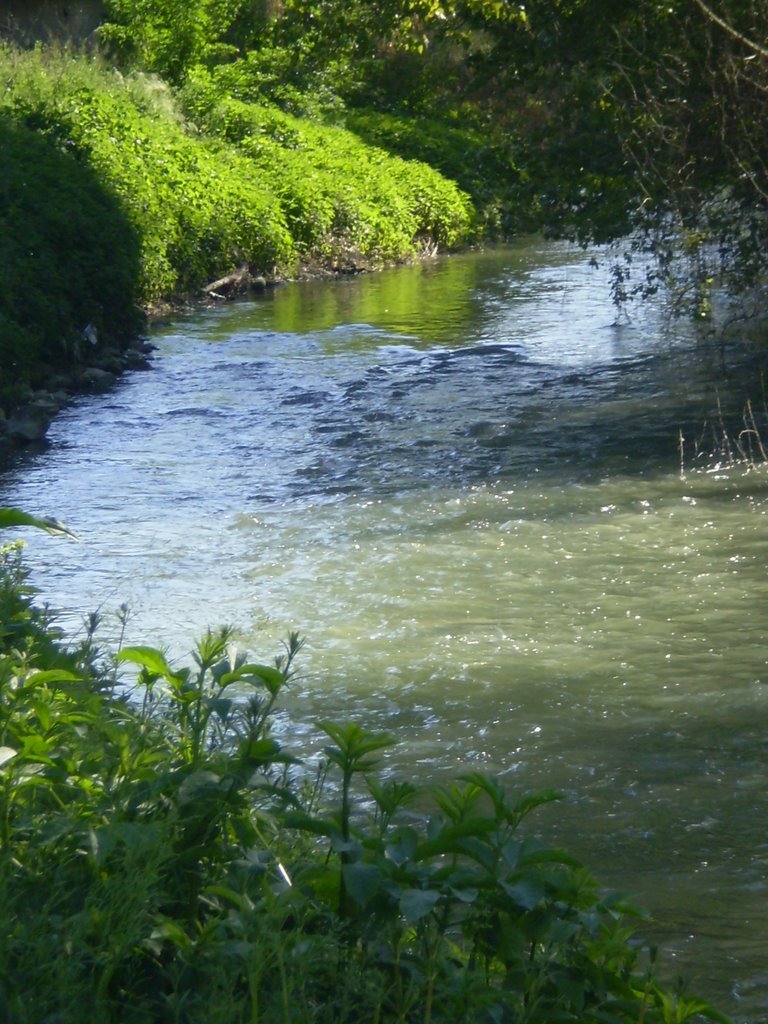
(123, 197)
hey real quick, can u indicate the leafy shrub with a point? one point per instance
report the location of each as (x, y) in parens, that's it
(111, 199)
(337, 192)
(276, 76)
(163, 858)
(480, 163)
(167, 36)
(196, 210)
(70, 257)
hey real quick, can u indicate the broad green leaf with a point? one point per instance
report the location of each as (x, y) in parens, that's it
(10, 517)
(240, 900)
(219, 706)
(529, 803)
(52, 675)
(392, 795)
(457, 802)
(402, 846)
(351, 739)
(35, 747)
(448, 839)
(488, 784)
(255, 675)
(170, 931)
(479, 850)
(262, 752)
(464, 895)
(526, 893)
(362, 882)
(417, 903)
(307, 823)
(533, 852)
(149, 658)
(354, 746)
(350, 849)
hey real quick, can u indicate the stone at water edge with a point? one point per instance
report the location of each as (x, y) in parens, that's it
(97, 380)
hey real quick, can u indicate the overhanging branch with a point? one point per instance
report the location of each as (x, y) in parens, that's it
(759, 50)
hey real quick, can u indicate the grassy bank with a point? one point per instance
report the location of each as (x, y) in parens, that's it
(114, 197)
(164, 858)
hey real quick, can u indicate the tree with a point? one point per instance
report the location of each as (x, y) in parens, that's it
(169, 37)
(692, 88)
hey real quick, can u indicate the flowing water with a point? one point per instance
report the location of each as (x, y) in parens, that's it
(463, 482)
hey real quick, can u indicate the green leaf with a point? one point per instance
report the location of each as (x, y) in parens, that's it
(362, 882)
(224, 892)
(526, 893)
(52, 675)
(10, 517)
(219, 706)
(307, 823)
(149, 658)
(392, 795)
(258, 752)
(448, 840)
(353, 745)
(533, 852)
(417, 903)
(402, 846)
(488, 784)
(169, 931)
(464, 895)
(255, 675)
(349, 849)
(529, 803)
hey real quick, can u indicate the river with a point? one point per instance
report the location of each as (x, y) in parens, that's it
(464, 483)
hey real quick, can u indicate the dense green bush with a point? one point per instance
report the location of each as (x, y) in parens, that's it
(641, 122)
(69, 257)
(196, 210)
(483, 165)
(111, 198)
(107, 202)
(338, 193)
(276, 76)
(167, 36)
(163, 858)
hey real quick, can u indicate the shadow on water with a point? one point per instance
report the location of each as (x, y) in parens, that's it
(484, 365)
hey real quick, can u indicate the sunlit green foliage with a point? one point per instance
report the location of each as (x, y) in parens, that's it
(169, 36)
(483, 166)
(163, 858)
(638, 120)
(112, 199)
(196, 211)
(338, 193)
